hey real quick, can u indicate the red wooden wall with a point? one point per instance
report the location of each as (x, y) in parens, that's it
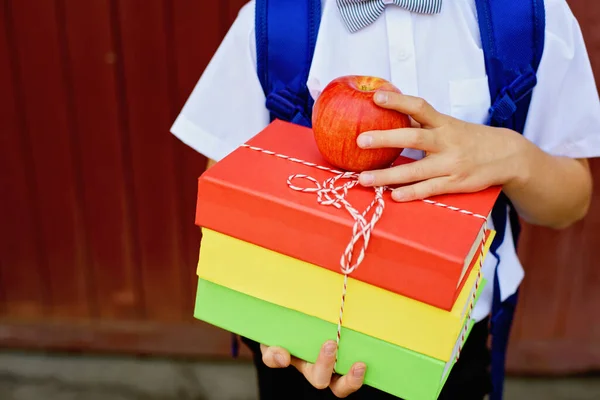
(558, 325)
(97, 242)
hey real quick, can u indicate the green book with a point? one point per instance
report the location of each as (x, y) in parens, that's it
(390, 368)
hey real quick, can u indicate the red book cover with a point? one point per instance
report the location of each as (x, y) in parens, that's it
(420, 249)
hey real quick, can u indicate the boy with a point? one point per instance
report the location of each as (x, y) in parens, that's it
(436, 59)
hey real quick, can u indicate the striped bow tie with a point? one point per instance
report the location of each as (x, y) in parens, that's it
(358, 14)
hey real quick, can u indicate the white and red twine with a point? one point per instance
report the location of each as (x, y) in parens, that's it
(333, 193)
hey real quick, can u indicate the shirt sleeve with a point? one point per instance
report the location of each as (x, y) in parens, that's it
(564, 117)
(227, 105)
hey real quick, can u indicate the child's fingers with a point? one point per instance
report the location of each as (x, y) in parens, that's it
(319, 374)
(427, 168)
(406, 138)
(275, 357)
(344, 386)
(423, 190)
(420, 110)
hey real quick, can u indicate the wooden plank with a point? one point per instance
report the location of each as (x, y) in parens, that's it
(146, 80)
(586, 291)
(196, 340)
(190, 21)
(542, 272)
(563, 356)
(42, 58)
(554, 331)
(582, 264)
(189, 57)
(22, 269)
(100, 158)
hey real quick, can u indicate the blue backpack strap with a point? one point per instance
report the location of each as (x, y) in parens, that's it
(513, 35)
(286, 34)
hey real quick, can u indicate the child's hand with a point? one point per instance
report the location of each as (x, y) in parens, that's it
(320, 374)
(460, 156)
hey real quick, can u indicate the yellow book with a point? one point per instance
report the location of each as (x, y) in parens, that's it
(316, 291)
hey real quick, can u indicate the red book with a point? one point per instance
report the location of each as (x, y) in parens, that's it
(421, 249)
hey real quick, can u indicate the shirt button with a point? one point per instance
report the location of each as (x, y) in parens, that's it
(403, 55)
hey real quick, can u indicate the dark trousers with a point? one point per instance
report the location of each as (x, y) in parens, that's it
(469, 379)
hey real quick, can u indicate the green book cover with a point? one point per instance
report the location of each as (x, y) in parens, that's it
(390, 368)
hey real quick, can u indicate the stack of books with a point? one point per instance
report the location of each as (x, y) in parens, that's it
(295, 253)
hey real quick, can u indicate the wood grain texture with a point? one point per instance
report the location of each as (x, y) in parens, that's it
(196, 340)
(23, 267)
(101, 159)
(42, 59)
(191, 48)
(556, 329)
(149, 105)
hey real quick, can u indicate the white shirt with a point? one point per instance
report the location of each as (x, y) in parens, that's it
(437, 57)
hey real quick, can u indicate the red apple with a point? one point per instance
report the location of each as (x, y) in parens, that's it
(346, 109)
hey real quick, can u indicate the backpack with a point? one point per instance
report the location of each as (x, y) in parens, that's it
(512, 35)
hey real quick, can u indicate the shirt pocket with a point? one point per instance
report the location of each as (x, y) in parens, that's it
(470, 99)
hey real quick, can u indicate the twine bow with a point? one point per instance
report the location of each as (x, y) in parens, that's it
(328, 194)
